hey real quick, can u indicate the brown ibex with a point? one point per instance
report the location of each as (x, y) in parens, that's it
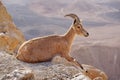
(45, 48)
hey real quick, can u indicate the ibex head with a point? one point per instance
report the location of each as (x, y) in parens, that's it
(77, 25)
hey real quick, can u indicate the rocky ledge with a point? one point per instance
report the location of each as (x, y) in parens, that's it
(57, 69)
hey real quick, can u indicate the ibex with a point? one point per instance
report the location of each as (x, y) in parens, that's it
(45, 48)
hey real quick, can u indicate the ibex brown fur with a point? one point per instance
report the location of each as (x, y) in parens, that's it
(45, 48)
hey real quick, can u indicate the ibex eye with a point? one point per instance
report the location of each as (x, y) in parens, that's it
(78, 27)
(4, 32)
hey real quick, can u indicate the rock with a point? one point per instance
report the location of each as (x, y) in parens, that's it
(80, 77)
(10, 36)
(94, 73)
(60, 72)
(59, 69)
(19, 74)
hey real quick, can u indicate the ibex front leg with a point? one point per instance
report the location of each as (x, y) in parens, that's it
(69, 58)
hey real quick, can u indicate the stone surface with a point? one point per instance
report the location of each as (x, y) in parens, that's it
(19, 74)
(59, 69)
(94, 73)
(10, 36)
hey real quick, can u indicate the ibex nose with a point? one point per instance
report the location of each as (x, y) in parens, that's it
(87, 34)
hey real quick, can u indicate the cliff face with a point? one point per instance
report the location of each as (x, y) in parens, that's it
(10, 36)
(4, 16)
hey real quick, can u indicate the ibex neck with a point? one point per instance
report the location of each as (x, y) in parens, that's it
(70, 35)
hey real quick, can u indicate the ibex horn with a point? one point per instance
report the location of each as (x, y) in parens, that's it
(74, 16)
